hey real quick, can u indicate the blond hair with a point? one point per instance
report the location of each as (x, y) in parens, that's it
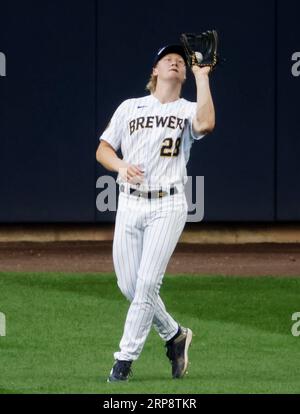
(151, 85)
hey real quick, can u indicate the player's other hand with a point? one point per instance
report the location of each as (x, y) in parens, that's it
(131, 174)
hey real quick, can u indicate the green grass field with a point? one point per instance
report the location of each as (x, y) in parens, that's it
(62, 330)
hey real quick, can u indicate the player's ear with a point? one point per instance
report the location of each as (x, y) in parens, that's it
(154, 71)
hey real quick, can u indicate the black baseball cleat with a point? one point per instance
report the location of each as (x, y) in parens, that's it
(177, 352)
(120, 371)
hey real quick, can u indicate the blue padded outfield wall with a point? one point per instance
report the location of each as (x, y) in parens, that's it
(66, 65)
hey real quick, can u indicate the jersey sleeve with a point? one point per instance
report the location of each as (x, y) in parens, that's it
(115, 128)
(191, 114)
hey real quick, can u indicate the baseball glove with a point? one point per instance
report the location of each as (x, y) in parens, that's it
(201, 49)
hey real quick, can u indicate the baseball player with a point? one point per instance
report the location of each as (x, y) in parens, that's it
(155, 134)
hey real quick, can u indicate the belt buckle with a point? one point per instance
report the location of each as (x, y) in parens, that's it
(162, 193)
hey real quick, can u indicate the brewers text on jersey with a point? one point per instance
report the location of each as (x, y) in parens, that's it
(155, 134)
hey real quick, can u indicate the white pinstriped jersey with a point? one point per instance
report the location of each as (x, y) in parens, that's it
(154, 136)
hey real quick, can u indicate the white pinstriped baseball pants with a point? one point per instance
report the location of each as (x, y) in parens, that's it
(146, 234)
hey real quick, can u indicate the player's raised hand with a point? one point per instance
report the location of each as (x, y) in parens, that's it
(201, 71)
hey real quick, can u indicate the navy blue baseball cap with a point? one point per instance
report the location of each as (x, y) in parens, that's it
(165, 50)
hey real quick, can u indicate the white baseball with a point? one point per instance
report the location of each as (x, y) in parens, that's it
(199, 56)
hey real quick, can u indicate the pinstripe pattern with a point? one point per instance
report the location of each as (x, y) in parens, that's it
(143, 144)
(146, 234)
(147, 231)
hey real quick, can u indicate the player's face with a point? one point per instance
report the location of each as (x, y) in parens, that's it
(171, 66)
